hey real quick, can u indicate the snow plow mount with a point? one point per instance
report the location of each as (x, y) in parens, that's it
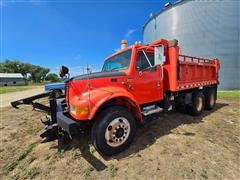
(51, 128)
(29, 101)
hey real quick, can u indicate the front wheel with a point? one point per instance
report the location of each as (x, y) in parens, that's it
(113, 130)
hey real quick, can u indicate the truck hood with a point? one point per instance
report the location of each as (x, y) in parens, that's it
(78, 85)
(99, 75)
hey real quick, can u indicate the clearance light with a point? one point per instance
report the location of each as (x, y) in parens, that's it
(79, 110)
(123, 41)
(123, 44)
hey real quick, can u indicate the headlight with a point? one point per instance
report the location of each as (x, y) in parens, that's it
(73, 109)
(79, 110)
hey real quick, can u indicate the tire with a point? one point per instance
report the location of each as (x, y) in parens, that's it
(198, 104)
(113, 130)
(58, 93)
(211, 98)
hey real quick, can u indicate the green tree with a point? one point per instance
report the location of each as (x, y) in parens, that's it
(25, 68)
(52, 77)
(38, 73)
(10, 66)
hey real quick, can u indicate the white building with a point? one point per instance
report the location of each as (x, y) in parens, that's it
(11, 79)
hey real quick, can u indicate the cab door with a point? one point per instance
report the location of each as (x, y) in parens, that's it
(147, 79)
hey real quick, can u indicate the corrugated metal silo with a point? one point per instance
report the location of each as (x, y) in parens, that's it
(203, 28)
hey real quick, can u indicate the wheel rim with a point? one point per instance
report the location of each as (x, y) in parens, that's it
(117, 132)
(212, 99)
(199, 104)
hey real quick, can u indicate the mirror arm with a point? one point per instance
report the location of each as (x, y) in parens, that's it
(147, 58)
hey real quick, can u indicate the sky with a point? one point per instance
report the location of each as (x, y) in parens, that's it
(74, 33)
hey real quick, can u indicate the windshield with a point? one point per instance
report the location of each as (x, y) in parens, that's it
(118, 62)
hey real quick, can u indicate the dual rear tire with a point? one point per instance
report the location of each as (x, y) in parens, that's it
(198, 104)
(211, 97)
(201, 101)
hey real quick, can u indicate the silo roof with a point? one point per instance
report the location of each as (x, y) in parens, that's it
(162, 10)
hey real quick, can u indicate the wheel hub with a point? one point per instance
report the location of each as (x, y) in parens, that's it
(117, 131)
(200, 104)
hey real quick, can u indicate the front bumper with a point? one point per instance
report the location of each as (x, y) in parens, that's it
(65, 121)
(67, 124)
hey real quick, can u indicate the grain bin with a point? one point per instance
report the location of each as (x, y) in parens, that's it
(203, 28)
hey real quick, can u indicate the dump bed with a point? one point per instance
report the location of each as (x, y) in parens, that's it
(182, 72)
(196, 72)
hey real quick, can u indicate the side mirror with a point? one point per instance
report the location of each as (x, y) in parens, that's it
(63, 71)
(159, 57)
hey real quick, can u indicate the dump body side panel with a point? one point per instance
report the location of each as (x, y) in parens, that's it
(182, 72)
(194, 72)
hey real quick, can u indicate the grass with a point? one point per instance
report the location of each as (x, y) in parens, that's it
(33, 130)
(88, 170)
(204, 174)
(47, 157)
(112, 169)
(32, 173)
(61, 152)
(31, 159)
(8, 89)
(229, 94)
(22, 154)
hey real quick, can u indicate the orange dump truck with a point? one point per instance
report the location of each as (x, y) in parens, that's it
(136, 83)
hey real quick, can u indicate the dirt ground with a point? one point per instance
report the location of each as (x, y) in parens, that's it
(175, 146)
(6, 99)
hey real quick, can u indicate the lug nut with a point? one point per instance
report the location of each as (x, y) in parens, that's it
(109, 128)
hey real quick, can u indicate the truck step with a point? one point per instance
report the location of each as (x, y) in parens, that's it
(151, 110)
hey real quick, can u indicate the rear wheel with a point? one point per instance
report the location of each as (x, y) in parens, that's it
(210, 99)
(113, 130)
(198, 104)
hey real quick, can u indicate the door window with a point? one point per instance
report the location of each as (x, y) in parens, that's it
(142, 62)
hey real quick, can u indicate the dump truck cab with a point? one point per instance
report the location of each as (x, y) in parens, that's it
(129, 75)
